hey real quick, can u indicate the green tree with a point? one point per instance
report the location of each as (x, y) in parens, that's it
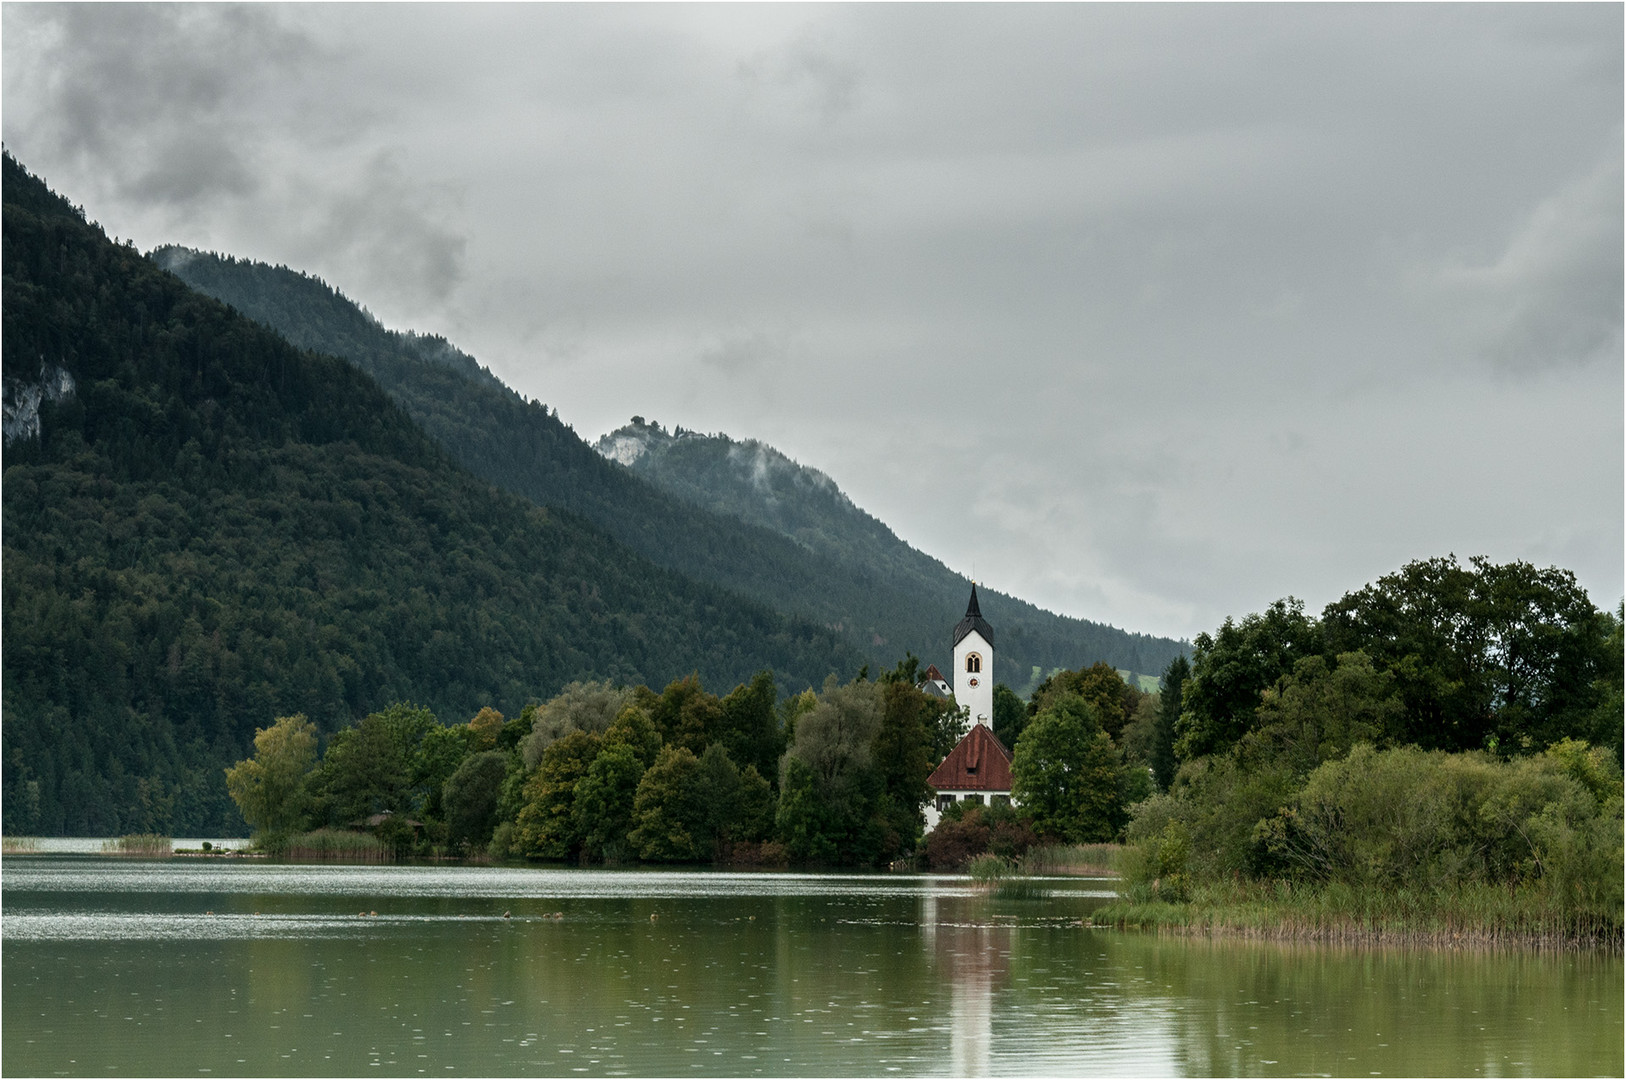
(718, 786)
(546, 827)
(669, 810)
(1010, 715)
(758, 807)
(1485, 656)
(1112, 699)
(582, 706)
(471, 797)
(1322, 710)
(636, 731)
(802, 817)
(270, 787)
(439, 753)
(901, 752)
(605, 798)
(1232, 668)
(687, 716)
(485, 727)
(1170, 702)
(1065, 773)
(837, 736)
(365, 770)
(836, 740)
(750, 724)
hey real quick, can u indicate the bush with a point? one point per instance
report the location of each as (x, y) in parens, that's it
(1408, 818)
(1155, 868)
(989, 867)
(968, 830)
(502, 842)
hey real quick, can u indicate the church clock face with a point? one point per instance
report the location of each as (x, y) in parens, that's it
(972, 682)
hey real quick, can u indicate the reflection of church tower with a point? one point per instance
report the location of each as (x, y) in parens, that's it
(974, 664)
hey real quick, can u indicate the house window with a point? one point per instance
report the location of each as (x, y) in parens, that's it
(999, 800)
(945, 801)
(974, 798)
(973, 663)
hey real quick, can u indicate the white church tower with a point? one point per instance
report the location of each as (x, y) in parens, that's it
(974, 664)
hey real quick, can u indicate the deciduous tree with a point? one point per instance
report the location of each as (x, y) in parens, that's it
(270, 787)
(1065, 773)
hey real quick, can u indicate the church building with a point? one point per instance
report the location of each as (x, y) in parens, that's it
(978, 769)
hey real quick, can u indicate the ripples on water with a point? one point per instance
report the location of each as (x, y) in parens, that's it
(116, 966)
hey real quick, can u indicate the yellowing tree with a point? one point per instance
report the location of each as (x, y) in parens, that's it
(486, 725)
(269, 788)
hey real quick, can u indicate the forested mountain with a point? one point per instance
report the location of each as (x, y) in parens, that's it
(206, 527)
(811, 553)
(755, 483)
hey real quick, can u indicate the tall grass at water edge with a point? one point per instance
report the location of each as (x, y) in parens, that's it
(1470, 914)
(1084, 860)
(19, 845)
(145, 845)
(333, 844)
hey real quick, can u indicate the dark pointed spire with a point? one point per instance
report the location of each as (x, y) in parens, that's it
(974, 621)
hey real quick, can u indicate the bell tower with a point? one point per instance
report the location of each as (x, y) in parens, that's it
(974, 663)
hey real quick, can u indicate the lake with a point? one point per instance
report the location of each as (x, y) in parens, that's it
(192, 966)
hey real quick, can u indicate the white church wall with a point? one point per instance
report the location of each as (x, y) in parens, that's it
(974, 690)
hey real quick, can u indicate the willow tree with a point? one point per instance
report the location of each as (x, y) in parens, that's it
(270, 787)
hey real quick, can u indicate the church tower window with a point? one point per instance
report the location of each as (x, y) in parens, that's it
(973, 663)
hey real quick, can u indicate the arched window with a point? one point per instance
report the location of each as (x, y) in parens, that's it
(973, 663)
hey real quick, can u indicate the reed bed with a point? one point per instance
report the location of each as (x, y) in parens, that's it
(145, 845)
(990, 867)
(1084, 860)
(19, 845)
(337, 845)
(1476, 915)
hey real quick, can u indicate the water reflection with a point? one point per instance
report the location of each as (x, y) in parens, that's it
(972, 958)
(114, 966)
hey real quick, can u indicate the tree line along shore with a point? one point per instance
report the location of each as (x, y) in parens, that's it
(1436, 758)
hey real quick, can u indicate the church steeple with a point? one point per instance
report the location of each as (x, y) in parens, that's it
(973, 621)
(974, 663)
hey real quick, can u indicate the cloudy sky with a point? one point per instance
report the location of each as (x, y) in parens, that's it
(1149, 314)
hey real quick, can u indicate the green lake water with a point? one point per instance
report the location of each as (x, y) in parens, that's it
(215, 966)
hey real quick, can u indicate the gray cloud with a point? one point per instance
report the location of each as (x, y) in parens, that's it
(1552, 295)
(1155, 313)
(152, 97)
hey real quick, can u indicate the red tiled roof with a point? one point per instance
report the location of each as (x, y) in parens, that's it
(933, 674)
(979, 762)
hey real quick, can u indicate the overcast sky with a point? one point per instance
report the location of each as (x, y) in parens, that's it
(1147, 314)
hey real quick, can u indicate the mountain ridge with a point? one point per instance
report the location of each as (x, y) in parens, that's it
(210, 528)
(888, 602)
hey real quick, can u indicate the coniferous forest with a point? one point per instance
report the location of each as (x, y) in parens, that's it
(211, 528)
(817, 556)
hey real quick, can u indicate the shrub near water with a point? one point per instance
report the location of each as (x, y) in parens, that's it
(968, 831)
(1407, 816)
(1403, 837)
